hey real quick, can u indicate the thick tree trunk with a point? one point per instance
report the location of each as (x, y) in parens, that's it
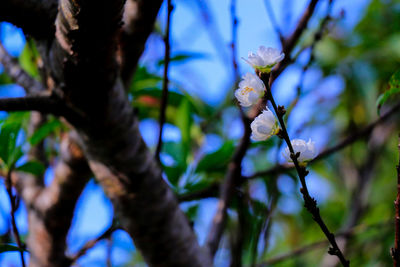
(84, 58)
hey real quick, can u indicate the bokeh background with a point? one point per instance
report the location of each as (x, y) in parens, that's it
(358, 53)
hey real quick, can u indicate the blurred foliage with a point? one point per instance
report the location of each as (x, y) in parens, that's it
(269, 211)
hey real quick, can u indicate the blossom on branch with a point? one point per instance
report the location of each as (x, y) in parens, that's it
(307, 151)
(264, 126)
(265, 59)
(251, 88)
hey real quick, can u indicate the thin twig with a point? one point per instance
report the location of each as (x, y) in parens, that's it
(226, 192)
(109, 251)
(319, 244)
(209, 22)
(317, 37)
(233, 176)
(164, 98)
(207, 192)
(90, 244)
(238, 234)
(234, 22)
(274, 23)
(291, 41)
(16, 73)
(309, 202)
(211, 191)
(396, 250)
(357, 134)
(17, 237)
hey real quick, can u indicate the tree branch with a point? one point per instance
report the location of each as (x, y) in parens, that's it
(164, 97)
(139, 18)
(233, 176)
(211, 190)
(51, 209)
(44, 104)
(12, 198)
(357, 134)
(309, 202)
(227, 190)
(291, 41)
(117, 154)
(396, 250)
(90, 244)
(35, 17)
(16, 73)
(319, 244)
(273, 21)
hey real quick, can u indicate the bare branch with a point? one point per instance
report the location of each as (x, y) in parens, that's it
(309, 202)
(164, 97)
(35, 17)
(291, 41)
(207, 192)
(51, 209)
(14, 70)
(319, 244)
(232, 178)
(90, 244)
(227, 190)
(13, 222)
(139, 18)
(357, 134)
(396, 250)
(44, 104)
(234, 23)
(272, 18)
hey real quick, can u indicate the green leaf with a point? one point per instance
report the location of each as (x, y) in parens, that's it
(218, 160)
(10, 152)
(34, 167)
(29, 57)
(44, 131)
(182, 57)
(143, 79)
(5, 79)
(394, 88)
(8, 248)
(176, 151)
(191, 212)
(184, 122)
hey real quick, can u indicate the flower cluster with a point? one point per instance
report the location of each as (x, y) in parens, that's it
(265, 125)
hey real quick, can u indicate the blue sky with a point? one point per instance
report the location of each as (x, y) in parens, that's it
(209, 78)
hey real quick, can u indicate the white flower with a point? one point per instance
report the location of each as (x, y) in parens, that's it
(307, 151)
(264, 126)
(251, 88)
(265, 59)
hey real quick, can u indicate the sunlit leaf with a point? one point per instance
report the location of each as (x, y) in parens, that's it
(29, 57)
(217, 160)
(183, 57)
(44, 131)
(393, 89)
(34, 167)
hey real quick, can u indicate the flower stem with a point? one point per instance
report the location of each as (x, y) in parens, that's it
(309, 203)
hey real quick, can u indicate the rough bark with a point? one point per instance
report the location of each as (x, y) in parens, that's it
(87, 74)
(139, 18)
(50, 209)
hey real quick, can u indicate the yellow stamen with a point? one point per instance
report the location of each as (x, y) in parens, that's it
(247, 90)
